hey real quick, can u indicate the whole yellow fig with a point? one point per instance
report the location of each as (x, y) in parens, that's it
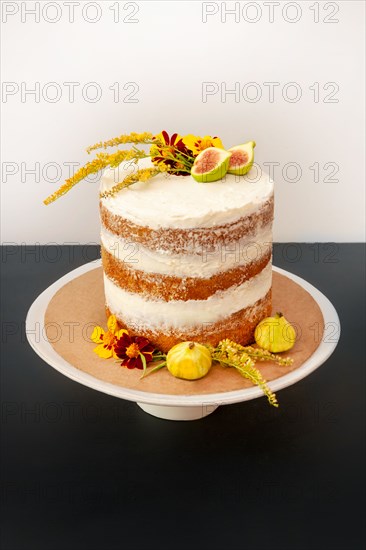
(188, 360)
(275, 334)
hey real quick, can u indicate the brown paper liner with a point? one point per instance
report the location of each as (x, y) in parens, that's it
(79, 305)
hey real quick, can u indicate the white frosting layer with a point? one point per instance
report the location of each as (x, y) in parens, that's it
(203, 264)
(140, 312)
(181, 202)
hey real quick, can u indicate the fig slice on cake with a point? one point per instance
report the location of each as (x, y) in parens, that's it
(242, 158)
(210, 165)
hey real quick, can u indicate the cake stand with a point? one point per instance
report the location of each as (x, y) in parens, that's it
(172, 406)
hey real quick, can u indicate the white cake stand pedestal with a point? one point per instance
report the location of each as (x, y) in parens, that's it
(178, 413)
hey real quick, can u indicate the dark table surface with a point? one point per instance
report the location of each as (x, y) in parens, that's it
(83, 470)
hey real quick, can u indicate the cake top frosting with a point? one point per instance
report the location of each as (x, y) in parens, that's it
(175, 181)
(181, 202)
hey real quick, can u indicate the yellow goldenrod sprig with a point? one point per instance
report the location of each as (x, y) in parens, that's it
(256, 378)
(90, 168)
(231, 354)
(260, 354)
(114, 159)
(144, 138)
(141, 175)
(101, 161)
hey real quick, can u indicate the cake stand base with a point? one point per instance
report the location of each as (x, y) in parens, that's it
(178, 413)
(69, 298)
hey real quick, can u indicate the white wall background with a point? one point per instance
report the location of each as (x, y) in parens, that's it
(169, 52)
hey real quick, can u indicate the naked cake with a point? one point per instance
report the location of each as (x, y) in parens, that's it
(184, 260)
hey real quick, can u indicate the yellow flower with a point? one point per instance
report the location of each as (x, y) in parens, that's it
(197, 144)
(107, 340)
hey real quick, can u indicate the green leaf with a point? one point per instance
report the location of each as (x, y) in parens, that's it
(155, 369)
(143, 359)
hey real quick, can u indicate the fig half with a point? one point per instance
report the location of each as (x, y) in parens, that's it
(210, 165)
(242, 158)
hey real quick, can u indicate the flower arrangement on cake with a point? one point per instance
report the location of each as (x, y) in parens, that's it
(180, 304)
(202, 157)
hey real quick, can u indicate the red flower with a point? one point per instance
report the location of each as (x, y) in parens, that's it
(173, 153)
(130, 349)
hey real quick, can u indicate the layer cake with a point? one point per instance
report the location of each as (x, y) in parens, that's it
(187, 261)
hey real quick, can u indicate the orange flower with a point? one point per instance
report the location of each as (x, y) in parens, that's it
(107, 340)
